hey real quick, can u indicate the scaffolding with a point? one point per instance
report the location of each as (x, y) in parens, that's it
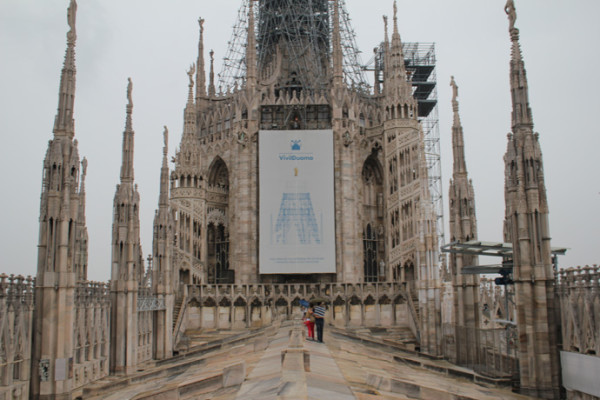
(420, 61)
(303, 31)
(304, 28)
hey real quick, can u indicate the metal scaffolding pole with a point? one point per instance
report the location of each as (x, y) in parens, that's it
(302, 29)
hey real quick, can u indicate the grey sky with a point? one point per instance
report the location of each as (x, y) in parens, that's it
(155, 41)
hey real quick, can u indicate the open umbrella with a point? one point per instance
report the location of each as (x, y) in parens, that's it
(318, 300)
(304, 303)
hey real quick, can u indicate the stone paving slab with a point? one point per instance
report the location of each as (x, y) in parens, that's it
(363, 367)
(282, 365)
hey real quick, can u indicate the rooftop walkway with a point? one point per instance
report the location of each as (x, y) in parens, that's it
(279, 363)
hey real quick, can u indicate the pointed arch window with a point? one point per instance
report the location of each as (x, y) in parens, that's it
(218, 254)
(373, 218)
(370, 254)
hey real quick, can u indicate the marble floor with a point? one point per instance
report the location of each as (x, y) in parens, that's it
(280, 363)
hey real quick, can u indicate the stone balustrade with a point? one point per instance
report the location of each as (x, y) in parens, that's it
(240, 306)
(578, 291)
(17, 288)
(16, 320)
(91, 331)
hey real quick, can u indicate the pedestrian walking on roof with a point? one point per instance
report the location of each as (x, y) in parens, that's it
(319, 312)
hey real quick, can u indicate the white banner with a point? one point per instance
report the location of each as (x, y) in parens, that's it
(296, 202)
(580, 372)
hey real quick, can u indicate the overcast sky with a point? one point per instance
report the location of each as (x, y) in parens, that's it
(155, 41)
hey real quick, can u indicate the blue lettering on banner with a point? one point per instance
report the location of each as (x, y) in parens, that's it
(296, 157)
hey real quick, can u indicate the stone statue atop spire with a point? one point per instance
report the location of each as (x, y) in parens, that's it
(84, 164)
(190, 73)
(129, 90)
(455, 101)
(454, 90)
(166, 140)
(71, 18)
(510, 10)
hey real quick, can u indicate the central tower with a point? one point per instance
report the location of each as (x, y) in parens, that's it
(349, 161)
(294, 42)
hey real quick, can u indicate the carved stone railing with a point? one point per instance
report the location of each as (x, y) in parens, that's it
(179, 318)
(16, 318)
(414, 321)
(147, 301)
(578, 291)
(91, 332)
(239, 306)
(270, 293)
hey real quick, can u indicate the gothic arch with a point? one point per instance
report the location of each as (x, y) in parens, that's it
(218, 175)
(281, 302)
(240, 302)
(225, 302)
(372, 215)
(218, 253)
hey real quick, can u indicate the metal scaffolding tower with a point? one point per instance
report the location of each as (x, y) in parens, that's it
(420, 60)
(304, 28)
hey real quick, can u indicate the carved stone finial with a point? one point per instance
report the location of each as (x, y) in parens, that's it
(385, 24)
(201, 23)
(510, 10)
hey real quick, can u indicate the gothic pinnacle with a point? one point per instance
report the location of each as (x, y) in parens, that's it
(63, 122)
(458, 146)
(127, 162)
(201, 75)
(455, 101)
(395, 19)
(338, 72)
(521, 113)
(190, 73)
(211, 84)
(163, 199)
(251, 49)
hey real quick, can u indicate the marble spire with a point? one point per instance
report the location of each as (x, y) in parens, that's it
(64, 124)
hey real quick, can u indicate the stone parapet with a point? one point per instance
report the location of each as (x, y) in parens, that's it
(578, 291)
(91, 332)
(16, 316)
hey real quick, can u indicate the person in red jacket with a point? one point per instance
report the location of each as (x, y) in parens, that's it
(309, 321)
